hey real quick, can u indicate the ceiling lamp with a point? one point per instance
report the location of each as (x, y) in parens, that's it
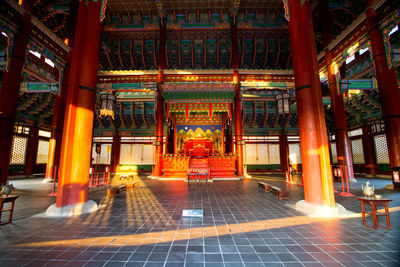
(107, 105)
(283, 103)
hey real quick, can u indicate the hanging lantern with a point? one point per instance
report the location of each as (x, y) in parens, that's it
(107, 105)
(283, 103)
(378, 127)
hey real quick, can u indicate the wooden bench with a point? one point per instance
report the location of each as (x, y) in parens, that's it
(132, 185)
(114, 191)
(280, 193)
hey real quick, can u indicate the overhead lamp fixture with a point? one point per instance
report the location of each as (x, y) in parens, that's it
(283, 103)
(107, 105)
(378, 127)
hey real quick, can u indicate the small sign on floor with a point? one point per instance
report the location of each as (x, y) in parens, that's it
(192, 213)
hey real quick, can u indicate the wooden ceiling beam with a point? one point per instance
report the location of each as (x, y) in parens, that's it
(154, 53)
(192, 52)
(266, 114)
(121, 115)
(119, 55)
(131, 54)
(179, 52)
(266, 53)
(133, 115)
(279, 51)
(205, 52)
(144, 115)
(241, 60)
(254, 52)
(143, 58)
(108, 58)
(217, 59)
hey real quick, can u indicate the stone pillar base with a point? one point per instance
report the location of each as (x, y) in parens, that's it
(47, 180)
(71, 210)
(321, 211)
(352, 180)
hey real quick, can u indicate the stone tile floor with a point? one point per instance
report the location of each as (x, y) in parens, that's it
(242, 226)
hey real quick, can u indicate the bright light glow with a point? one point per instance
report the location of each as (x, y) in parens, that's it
(48, 61)
(5, 34)
(352, 49)
(355, 92)
(350, 59)
(395, 29)
(334, 68)
(37, 54)
(363, 50)
(66, 41)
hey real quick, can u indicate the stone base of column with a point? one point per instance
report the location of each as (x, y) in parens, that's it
(352, 180)
(47, 180)
(71, 210)
(321, 211)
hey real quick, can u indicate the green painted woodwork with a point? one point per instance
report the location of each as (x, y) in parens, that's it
(263, 167)
(16, 168)
(384, 167)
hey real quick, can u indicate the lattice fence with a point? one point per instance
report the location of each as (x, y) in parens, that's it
(334, 153)
(18, 150)
(43, 152)
(357, 151)
(382, 155)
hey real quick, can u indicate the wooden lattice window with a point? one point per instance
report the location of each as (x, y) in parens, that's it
(43, 151)
(357, 151)
(18, 150)
(382, 155)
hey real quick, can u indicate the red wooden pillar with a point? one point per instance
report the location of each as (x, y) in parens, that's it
(10, 88)
(284, 152)
(343, 145)
(369, 149)
(160, 104)
(115, 152)
(55, 139)
(53, 160)
(388, 87)
(318, 185)
(79, 112)
(31, 151)
(237, 102)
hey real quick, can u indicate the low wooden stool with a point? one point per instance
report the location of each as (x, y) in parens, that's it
(114, 191)
(373, 202)
(7, 199)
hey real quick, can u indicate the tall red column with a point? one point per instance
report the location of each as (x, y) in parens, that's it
(9, 90)
(115, 152)
(31, 151)
(160, 104)
(369, 149)
(284, 152)
(237, 103)
(318, 185)
(79, 112)
(388, 88)
(343, 145)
